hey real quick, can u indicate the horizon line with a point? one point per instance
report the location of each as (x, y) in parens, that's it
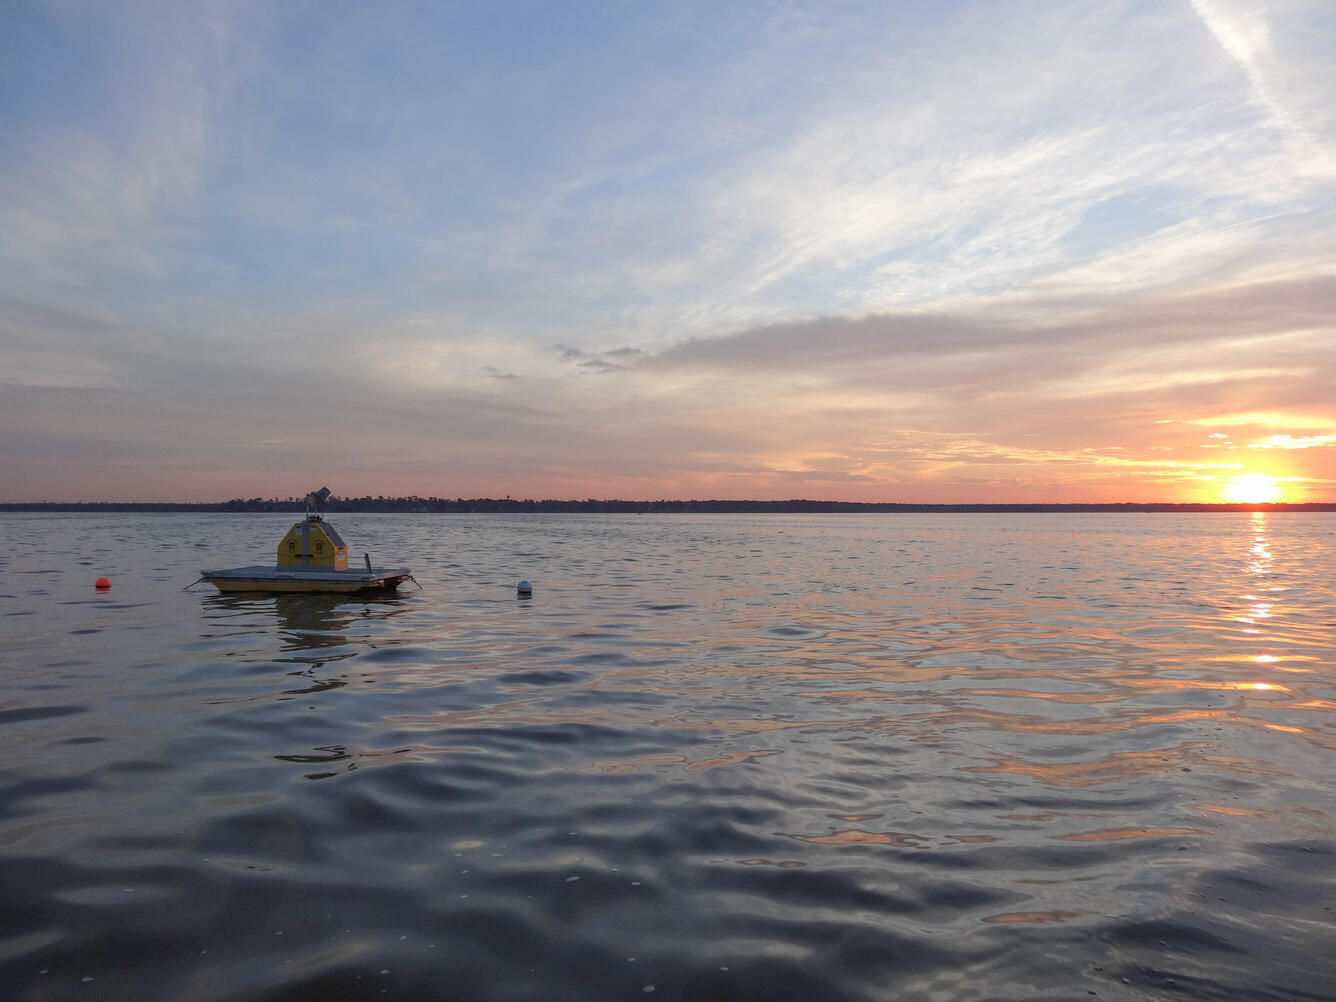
(413, 504)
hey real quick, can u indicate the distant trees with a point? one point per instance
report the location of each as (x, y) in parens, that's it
(436, 505)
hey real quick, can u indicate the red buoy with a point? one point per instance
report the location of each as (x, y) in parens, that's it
(103, 584)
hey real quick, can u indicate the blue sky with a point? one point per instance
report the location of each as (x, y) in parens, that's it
(876, 251)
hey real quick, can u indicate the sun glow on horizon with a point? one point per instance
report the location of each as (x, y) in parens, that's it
(1252, 488)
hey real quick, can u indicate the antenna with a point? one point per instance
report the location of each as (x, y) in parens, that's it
(313, 502)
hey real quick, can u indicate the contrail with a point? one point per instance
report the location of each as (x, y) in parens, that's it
(1246, 38)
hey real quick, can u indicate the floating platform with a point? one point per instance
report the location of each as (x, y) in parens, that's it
(315, 580)
(311, 558)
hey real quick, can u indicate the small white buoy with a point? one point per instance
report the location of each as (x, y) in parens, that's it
(524, 588)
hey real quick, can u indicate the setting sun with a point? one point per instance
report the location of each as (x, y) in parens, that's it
(1253, 488)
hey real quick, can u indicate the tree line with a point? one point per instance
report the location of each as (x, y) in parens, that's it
(464, 506)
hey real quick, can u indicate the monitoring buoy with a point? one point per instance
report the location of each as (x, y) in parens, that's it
(312, 558)
(103, 584)
(524, 588)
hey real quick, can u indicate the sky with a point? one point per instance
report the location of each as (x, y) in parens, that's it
(901, 250)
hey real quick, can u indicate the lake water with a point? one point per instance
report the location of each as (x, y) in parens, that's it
(713, 757)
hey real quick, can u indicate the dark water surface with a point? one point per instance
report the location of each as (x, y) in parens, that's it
(737, 757)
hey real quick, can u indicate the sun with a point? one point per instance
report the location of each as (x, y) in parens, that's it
(1252, 488)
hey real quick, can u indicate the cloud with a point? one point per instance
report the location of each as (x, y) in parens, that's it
(921, 406)
(829, 340)
(1289, 82)
(604, 361)
(1291, 442)
(1206, 334)
(106, 189)
(1266, 419)
(942, 251)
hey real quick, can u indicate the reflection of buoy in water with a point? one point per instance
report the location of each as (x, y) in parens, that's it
(524, 588)
(103, 584)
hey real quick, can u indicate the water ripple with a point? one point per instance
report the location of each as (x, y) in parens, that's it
(740, 757)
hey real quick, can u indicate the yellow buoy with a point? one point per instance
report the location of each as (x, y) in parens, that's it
(312, 557)
(312, 543)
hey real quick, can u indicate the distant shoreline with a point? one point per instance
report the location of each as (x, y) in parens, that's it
(464, 506)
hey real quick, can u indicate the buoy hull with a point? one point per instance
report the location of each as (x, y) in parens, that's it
(270, 579)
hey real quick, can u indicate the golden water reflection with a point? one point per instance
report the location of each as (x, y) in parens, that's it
(1093, 672)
